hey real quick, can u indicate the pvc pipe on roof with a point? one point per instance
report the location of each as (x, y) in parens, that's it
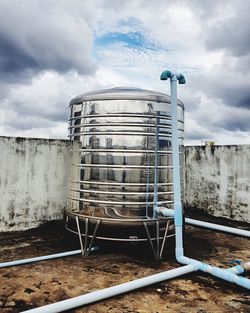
(226, 229)
(112, 291)
(216, 271)
(42, 258)
(178, 214)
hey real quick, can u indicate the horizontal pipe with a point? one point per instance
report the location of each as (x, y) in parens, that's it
(216, 271)
(42, 258)
(226, 229)
(112, 291)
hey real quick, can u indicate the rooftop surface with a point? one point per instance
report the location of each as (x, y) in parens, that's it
(28, 286)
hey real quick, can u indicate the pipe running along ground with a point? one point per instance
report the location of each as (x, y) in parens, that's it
(43, 258)
(190, 221)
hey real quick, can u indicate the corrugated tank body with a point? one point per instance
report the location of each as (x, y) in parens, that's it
(125, 158)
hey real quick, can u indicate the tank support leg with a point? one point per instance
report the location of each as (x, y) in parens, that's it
(79, 234)
(149, 239)
(164, 238)
(157, 224)
(98, 223)
(86, 236)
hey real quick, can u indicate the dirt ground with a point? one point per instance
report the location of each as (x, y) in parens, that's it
(28, 286)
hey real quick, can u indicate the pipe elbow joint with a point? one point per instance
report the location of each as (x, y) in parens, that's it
(165, 75)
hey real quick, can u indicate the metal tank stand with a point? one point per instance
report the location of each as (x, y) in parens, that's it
(88, 230)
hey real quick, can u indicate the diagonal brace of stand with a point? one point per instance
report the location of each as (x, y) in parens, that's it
(85, 248)
(158, 248)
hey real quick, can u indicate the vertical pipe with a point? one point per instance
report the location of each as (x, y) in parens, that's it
(156, 164)
(176, 168)
(148, 178)
(178, 215)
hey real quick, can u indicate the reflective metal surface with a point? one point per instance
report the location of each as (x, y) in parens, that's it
(125, 146)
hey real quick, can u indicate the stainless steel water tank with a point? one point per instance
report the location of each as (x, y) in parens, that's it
(123, 164)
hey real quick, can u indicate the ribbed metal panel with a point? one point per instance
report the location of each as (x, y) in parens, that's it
(125, 144)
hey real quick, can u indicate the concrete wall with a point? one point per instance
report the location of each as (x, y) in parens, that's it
(218, 180)
(33, 180)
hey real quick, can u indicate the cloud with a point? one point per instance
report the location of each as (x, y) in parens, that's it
(42, 35)
(41, 107)
(52, 51)
(232, 33)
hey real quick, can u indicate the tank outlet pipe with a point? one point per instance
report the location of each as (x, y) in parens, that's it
(178, 213)
(112, 291)
(43, 258)
(190, 221)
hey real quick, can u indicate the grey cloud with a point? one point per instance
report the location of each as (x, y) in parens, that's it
(217, 103)
(230, 121)
(224, 83)
(14, 63)
(231, 33)
(22, 122)
(45, 35)
(52, 112)
(195, 135)
(238, 96)
(205, 8)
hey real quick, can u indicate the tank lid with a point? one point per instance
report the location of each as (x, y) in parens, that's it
(123, 93)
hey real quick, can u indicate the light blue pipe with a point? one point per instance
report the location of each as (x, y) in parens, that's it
(226, 229)
(112, 291)
(238, 269)
(178, 215)
(43, 258)
(227, 275)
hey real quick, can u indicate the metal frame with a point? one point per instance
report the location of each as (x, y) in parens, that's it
(156, 242)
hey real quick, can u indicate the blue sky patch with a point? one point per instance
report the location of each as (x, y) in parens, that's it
(134, 40)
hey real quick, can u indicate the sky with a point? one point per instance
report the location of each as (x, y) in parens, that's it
(54, 50)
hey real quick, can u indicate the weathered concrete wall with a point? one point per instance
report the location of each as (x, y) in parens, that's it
(34, 175)
(33, 180)
(218, 180)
